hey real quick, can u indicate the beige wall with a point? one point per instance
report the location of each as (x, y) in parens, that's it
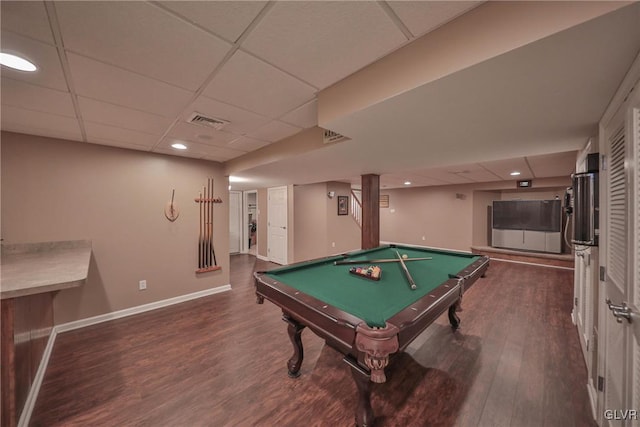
(452, 216)
(482, 201)
(262, 223)
(310, 221)
(432, 216)
(61, 190)
(318, 229)
(342, 230)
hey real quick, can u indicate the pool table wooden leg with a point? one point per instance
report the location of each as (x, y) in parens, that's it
(454, 320)
(295, 331)
(364, 413)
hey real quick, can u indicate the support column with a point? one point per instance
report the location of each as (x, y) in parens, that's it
(370, 211)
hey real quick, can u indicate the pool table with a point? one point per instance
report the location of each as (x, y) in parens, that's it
(369, 320)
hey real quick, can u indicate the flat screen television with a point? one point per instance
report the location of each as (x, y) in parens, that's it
(535, 215)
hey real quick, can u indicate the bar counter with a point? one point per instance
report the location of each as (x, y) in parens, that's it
(30, 275)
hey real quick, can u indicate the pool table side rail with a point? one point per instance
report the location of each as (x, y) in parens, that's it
(336, 326)
(418, 316)
(321, 260)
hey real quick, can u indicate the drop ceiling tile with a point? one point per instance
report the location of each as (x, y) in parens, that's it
(186, 132)
(140, 37)
(38, 123)
(447, 175)
(503, 168)
(552, 165)
(120, 144)
(196, 150)
(98, 133)
(472, 172)
(44, 56)
(242, 121)
(93, 79)
(247, 144)
(304, 117)
(323, 42)
(228, 19)
(274, 131)
(28, 18)
(180, 153)
(254, 85)
(217, 153)
(222, 157)
(38, 98)
(122, 117)
(420, 17)
(397, 180)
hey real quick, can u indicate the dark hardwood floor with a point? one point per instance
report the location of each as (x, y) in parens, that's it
(221, 361)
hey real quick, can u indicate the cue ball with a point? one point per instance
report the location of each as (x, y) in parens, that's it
(404, 256)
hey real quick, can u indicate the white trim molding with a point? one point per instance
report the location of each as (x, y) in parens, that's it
(27, 410)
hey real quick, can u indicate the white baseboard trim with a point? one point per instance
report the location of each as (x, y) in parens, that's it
(29, 404)
(262, 258)
(76, 324)
(25, 417)
(532, 263)
(593, 399)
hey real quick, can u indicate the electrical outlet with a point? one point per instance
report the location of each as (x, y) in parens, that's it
(333, 244)
(142, 285)
(424, 237)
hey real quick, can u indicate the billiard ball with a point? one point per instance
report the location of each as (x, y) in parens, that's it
(405, 256)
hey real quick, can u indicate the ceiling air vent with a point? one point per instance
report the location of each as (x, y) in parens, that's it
(202, 120)
(330, 136)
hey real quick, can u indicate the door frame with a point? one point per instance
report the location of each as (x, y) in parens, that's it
(245, 219)
(241, 235)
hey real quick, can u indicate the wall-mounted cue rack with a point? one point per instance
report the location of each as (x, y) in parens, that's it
(206, 253)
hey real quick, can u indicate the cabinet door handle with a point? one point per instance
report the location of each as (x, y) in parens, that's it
(619, 311)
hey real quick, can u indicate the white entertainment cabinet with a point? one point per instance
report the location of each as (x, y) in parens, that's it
(541, 241)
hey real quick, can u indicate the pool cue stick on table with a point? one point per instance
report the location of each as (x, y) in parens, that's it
(376, 261)
(406, 271)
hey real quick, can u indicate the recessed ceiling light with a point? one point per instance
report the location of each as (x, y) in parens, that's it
(15, 62)
(407, 183)
(515, 173)
(179, 146)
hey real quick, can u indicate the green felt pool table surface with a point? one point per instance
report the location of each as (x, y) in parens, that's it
(374, 301)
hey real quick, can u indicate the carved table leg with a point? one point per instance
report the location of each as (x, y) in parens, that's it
(295, 362)
(454, 320)
(364, 413)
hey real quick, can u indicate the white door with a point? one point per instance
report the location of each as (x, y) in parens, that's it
(277, 225)
(620, 258)
(235, 221)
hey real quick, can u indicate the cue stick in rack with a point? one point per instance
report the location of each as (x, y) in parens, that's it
(206, 226)
(376, 261)
(206, 253)
(200, 236)
(406, 271)
(213, 252)
(205, 261)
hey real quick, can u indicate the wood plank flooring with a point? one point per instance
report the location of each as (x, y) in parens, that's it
(221, 361)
